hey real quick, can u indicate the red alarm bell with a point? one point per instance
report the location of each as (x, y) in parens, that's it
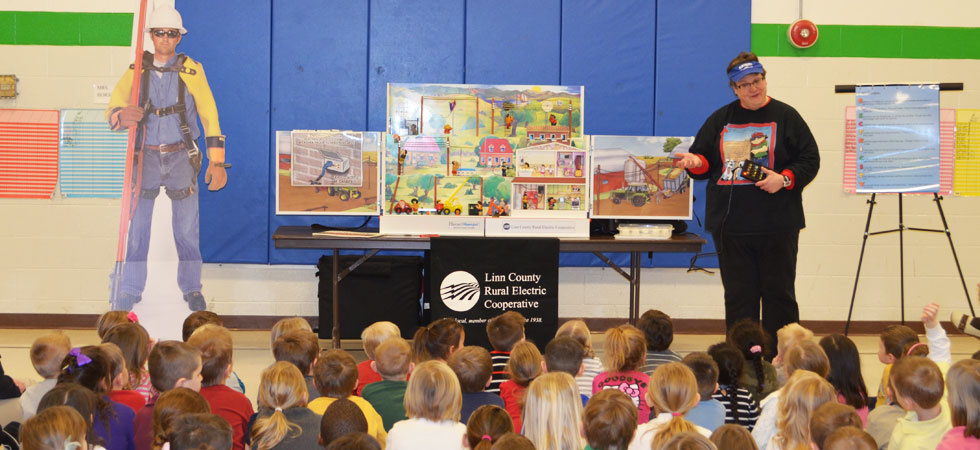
(802, 33)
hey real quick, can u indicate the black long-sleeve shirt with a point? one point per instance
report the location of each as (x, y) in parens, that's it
(775, 136)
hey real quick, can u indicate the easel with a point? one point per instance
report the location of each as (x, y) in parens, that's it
(901, 231)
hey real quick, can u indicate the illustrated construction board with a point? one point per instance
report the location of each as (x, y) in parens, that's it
(635, 177)
(327, 172)
(93, 157)
(482, 150)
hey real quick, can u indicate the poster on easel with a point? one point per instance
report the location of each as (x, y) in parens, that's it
(636, 177)
(898, 138)
(327, 172)
(949, 164)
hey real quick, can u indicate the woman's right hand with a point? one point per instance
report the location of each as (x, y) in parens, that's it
(689, 161)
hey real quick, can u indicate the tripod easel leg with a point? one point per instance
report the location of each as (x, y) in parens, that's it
(857, 276)
(936, 198)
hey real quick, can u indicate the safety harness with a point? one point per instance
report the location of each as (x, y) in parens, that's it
(179, 108)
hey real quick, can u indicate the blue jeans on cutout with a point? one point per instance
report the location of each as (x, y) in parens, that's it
(173, 171)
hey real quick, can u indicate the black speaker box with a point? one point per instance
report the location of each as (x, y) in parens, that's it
(382, 288)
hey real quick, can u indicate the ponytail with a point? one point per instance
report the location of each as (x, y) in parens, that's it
(282, 386)
(678, 424)
(270, 431)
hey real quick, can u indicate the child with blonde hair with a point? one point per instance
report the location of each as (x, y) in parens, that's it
(524, 366)
(487, 424)
(623, 356)
(119, 390)
(432, 403)
(55, 428)
(553, 413)
(609, 420)
(134, 342)
(47, 353)
(335, 375)
(171, 405)
(803, 355)
(371, 338)
(963, 381)
(283, 420)
(673, 392)
(286, 325)
(578, 330)
(804, 392)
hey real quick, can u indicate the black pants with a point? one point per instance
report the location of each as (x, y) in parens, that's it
(759, 270)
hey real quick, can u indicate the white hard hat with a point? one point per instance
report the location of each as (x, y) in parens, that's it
(165, 17)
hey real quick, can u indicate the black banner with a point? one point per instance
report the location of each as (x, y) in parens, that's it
(474, 279)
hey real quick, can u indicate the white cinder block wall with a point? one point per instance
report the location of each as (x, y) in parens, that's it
(57, 254)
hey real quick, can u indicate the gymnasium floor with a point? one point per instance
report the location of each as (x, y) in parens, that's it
(252, 352)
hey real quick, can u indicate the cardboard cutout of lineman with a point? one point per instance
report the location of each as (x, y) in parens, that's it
(174, 94)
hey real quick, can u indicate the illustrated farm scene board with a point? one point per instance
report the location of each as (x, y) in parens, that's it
(327, 172)
(481, 150)
(636, 177)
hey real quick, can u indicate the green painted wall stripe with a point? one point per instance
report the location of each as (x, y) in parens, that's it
(65, 28)
(871, 41)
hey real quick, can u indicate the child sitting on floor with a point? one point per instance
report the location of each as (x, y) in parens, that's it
(504, 331)
(473, 366)
(625, 349)
(47, 353)
(335, 375)
(394, 363)
(371, 338)
(215, 344)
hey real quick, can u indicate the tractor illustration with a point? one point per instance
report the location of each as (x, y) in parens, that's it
(635, 193)
(345, 193)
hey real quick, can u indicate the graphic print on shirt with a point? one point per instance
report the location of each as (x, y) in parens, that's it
(753, 141)
(630, 388)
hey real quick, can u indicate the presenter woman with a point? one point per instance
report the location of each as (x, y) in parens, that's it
(755, 224)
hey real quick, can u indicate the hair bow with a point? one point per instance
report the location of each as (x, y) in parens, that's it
(79, 356)
(72, 445)
(132, 317)
(755, 349)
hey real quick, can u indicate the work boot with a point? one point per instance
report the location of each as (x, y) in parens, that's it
(966, 324)
(196, 301)
(125, 301)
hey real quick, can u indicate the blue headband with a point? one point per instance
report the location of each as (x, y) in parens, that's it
(740, 71)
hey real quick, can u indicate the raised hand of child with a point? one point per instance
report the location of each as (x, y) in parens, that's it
(929, 315)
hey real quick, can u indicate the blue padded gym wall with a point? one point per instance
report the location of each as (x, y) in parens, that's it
(648, 67)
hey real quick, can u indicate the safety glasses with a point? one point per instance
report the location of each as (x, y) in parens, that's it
(172, 34)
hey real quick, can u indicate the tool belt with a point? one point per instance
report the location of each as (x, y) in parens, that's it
(166, 148)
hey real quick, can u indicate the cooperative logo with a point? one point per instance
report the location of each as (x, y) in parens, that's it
(459, 291)
(506, 225)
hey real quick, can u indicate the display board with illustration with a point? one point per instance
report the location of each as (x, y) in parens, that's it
(327, 172)
(483, 150)
(636, 177)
